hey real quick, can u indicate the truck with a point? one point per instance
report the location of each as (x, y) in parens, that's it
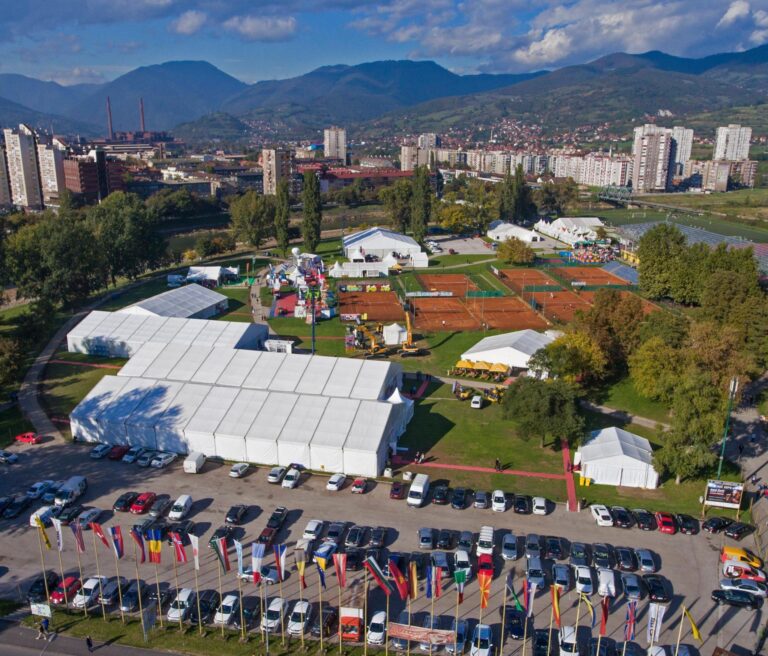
(72, 489)
(417, 494)
(194, 462)
(351, 623)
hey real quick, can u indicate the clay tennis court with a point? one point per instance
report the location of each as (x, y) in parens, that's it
(560, 306)
(378, 306)
(591, 276)
(456, 283)
(446, 313)
(507, 312)
(647, 306)
(518, 279)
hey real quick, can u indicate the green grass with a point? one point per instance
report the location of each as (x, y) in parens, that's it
(445, 349)
(128, 297)
(451, 260)
(622, 395)
(12, 422)
(239, 310)
(65, 385)
(7, 606)
(187, 240)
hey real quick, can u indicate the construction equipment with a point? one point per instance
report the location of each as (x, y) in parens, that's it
(495, 394)
(408, 347)
(362, 334)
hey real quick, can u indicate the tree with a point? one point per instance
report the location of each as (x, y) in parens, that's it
(515, 251)
(671, 328)
(311, 226)
(397, 201)
(681, 458)
(11, 360)
(421, 203)
(574, 357)
(544, 409)
(253, 216)
(523, 206)
(482, 203)
(659, 250)
(655, 369)
(557, 197)
(453, 217)
(507, 199)
(282, 216)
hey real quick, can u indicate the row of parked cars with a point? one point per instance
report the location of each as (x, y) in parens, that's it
(140, 455)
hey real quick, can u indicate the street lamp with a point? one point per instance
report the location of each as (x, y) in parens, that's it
(731, 395)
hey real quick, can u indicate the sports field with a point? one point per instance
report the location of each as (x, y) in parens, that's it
(505, 313)
(443, 313)
(376, 306)
(456, 283)
(560, 305)
(518, 279)
(590, 276)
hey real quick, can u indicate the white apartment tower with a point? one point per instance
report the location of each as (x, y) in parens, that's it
(50, 158)
(276, 164)
(683, 142)
(652, 152)
(428, 141)
(5, 186)
(23, 174)
(732, 143)
(335, 143)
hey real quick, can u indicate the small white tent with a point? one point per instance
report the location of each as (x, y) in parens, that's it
(189, 302)
(395, 334)
(403, 407)
(613, 456)
(504, 231)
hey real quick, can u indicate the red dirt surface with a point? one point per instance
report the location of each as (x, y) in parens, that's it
(591, 276)
(506, 313)
(378, 306)
(456, 283)
(518, 279)
(560, 306)
(446, 313)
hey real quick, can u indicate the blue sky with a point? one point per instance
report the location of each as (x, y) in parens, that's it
(74, 41)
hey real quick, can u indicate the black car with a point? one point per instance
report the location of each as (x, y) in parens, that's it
(143, 526)
(17, 506)
(124, 501)
(354, 560)
(459, 498)
(209, 601)
(716, 524)
(621, 517)
(5, 502)
(221, 532)
(36, 592)
(421, 560)
(378, 537)
(545, 643)
(336, 531)
(602, 555)
(166, 594)
(236, 514)
(579, 554)
(626, 560)
(355, 537)
(687, 524)
(249, 609)
(400, 560)
(514, 622)
(161, 506)
(445, 539)
(644, 520)
(441, 495)
(737, 598)
(553, 548)
(657, 588)
(183, 528)
(277, 518)
(325, 622)
(70, 513)
(523, 504)
(739, 530)
(607, 647)
(163, 526)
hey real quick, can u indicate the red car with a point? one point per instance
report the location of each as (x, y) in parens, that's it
(267, 537)
(28, 438)
(397, 491)
(118, 451)
(359, 486)
(485, 564)
(71, 585)
(143, 503)
(666, 523)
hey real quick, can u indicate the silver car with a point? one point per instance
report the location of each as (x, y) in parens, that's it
(535, 573)
(509, 547)
(561, 576)
(426, 538)
(755, 588)
(533, 546)
(646, 561)
(632, 586)
(460, 629)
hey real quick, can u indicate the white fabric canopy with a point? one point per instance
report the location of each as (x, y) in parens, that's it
(511, 349)
(613, 456)
(395, 334)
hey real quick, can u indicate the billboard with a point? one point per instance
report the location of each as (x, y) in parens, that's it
(724, 494)
(419, 634)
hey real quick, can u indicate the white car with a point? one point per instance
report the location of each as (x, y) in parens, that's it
(273, 616)
(89, 592)
(377, 629)
(39, 489)
(314, 529)
(100, 451)
(745, 585)
(239, 469)
(162, 460)
(539, 506)
(569, 645)
(87, 516)
(336, 482)
(482, 641)
(133, 454)
(225, 613)
(44, 513)
(601, 515)
(181, 606)
(299, 618)
(606, 582)
(476, 402)
(291, 479)
(498, 501)
(583, 576)
(276, 474)
(461, 562)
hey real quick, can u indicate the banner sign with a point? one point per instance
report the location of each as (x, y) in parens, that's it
(428, 294)
(655, 618)
(420, 634)
(724, 494)
(41, 610)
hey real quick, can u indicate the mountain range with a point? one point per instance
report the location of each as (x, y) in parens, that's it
(198, 101)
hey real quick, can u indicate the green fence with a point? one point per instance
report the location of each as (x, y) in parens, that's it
(480, 293)
(542, 288)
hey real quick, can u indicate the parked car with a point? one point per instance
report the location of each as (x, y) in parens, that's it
(601, 514)
(8, 457)
(18, 505)
(276, 474)
(644, 519)
(459, 498)
(100, 451)
(737, 598)
(377, 628)
(378, 537)
(130, 602)
(355, 536)
(143, 503)
(535, 573)
(124, 502)
(632, 586)
(336, 482)
(313, 530)
(336, 532)
(621, 517)
(545, 642)
(266, 537)
(239, 469)
(430, 622)
(236, 514)
(226, 610)
(553, 548)
(397, 490)
(561, 576)
(466, 541)
(36, 591)
(687, 524)
(445, 539)
(66, 590)
(27, 438)
(207, 602)
(481, 500)
(359, 486)
(540, 506)
(645, 560)
(460, 628)
(161, 506)
(70, 513)
(514, 622)
(299, 618)
(482, 641)
(249, 611)
(326, 623)
(274, 614)
(477, 402)
(291, 479)
(88, 516)
(745, 585)
(626, 560)
(87, 595)
(37, 490)
(523, 504)
(426, 538)
(277, 518)
(111, 592)
(117, 452)
(666, 523)
(602, 555)
(509, 547)
(162, 460)
(532, 546)
(738, 530)
(498, 501)
(583, 578)
(440, 559)
(184, 528)
(146, 458)
(133, 454)
(221, 532)
(657, 588)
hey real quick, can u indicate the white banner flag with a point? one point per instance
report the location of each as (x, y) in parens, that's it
(655, 618)
(59, 538)
(195, 542)
(239, 550)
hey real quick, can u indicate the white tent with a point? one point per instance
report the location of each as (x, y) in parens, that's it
(571, 230)
(327, 446)
(261, 438)
(404, 408)
(368, 442)
(199, 433)
(380, 242)
(113, 421)
(169, 429)
(355, 255)
(83, 420)
(504, 231)
(613, 456)
(189, 302)
(395, 334)
(149, 411)
(293, 443)
(232, 430)
(511, 349)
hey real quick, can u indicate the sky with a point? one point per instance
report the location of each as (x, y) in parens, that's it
(76, 41)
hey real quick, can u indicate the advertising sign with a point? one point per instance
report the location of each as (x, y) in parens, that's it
(41, 610)
(724, 494)
(420, 634)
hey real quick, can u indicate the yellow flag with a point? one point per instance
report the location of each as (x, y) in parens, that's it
(41, 526)
(694, 629)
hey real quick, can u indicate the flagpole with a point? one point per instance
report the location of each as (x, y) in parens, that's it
(386, 624)
(240, 594)
(503, 619)
(408, 642)
(599, 632)
(301, 599)
(456, 623)
(138, 585)
(321, 610)
(263, 587)
(432, 609)
(80, 570)
(61, 568)
(197, 598)
(549, 636)
(98, 574)
(282, 614)
(176, 579)
(365, 614)
(45, 578)
(159, 598)
(525, 625)
(578, 613)
(221, 598)
(679, 631)
(119, 588)
(322, 629)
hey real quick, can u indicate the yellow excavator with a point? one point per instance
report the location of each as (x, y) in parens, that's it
(373, 347)
(408, 347)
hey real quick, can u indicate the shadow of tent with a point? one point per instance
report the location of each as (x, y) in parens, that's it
(426, 428)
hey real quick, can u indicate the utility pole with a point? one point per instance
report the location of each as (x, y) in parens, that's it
(731, 395)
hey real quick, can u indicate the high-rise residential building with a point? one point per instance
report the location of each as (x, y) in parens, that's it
(23, 172)
(682, 143)
(277, 164)
(413, 156)
(732, 143)
(335, 143)
(5, 186)
(50, 157)
(651, 152)
(428, 141)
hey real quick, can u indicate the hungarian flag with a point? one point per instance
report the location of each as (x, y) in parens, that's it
(604, 604)
(280, 552)
(136, 535)
(511, 587)
(257, 557)
(460, 578)
(300, 566)
(374, 570)
(340, 565)
(629, 626)
(59, 537)
(99, 531)
(413, 580)
(219, 546)
(178, 547)
(556, 604)
(155, 545)
(117, 540)
(484, 580)
(43, 534)
(397, 576)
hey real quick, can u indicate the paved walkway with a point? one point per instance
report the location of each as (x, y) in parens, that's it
(570, 486)
(623, 416)
(92, 365)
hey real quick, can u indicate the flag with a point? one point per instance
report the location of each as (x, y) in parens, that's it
(155, 545)
(257, 556)
(590, 608)
(375, 571)
(137, 539)
(484, 580)
(239, 552)
(605, 602)
(529, 603)
(340, 564)
(430, 574)
(117, 540)
(322, 561)
(300, 566)
(511, 588)
(194, 542)
(413, 580)
(400, 583)
(219, 546)
(655, 618)
(629, 626)
(43, 534)
(436, 579)
(460, 578)
(280, 552)
(321, 575)
(556, 604)
(525, 595)
(99, 531)
(59, 537)
(178, 547)
(694, 629)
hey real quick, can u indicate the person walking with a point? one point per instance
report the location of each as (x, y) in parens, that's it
(498, 465)
(40, 631)
(89, 644)
(45, 624)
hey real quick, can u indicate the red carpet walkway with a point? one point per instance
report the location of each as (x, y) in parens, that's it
(569, 484)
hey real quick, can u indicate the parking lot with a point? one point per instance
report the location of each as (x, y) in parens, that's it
(690, 563)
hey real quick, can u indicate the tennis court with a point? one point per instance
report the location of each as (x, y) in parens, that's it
(443, 313)
(376, 306)
(591, 276)
(456, 283)
(507, 312)
(518, 279)
(560, 305)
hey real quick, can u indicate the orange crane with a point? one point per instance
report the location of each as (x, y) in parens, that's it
(408, 347)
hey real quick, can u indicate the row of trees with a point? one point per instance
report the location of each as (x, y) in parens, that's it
(410, 203)
(256, 218)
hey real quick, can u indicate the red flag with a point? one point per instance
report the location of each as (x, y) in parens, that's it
(340, 565)
(96, 528)
(437, 574)
(178, 545)
(556, 604)
(484, 580)
(400, 583)
(605, 603)
(526, 600)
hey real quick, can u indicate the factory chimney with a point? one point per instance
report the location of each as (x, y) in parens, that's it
(110, 132)
(141, 115)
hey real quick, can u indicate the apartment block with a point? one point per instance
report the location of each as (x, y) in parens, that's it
(335, 143)
(5, 185)
(652, 151)
(50, 157)
(23, 173)
(732, 143)
(277, 164)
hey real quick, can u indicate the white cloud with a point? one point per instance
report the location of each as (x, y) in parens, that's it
(555, 45)
(189, 22)
(261, 28)
(77, 75)
(737, 10)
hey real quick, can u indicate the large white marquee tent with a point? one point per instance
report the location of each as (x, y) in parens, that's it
(503, 231)
(511, 349)
(571, 230)
(613, 456)
(380, 242)
(192, 301)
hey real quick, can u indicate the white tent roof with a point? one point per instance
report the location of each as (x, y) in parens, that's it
(371, 421)
(146, 415)
(180, 302)
(213, 365)
(379, 238)
(199, 431)
(293, 443)
(512, 349)
(577, 223)
(83, 418)
(326, 448)
(506, 230)
(241, 414)
(113, 420)
(342, 379)
(169, 428)
(316, 375)
(238, 368)
(264, 370)
(395, 334)
(615, 442)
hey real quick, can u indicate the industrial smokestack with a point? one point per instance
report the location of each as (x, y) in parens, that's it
(141, 114)
(110, 133)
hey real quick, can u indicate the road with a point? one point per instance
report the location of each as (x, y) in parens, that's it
(690, 562)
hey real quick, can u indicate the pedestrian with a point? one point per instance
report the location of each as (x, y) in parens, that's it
(45, 624)
(498, 465)
(753, 479)
(40, 631)
(417, 456)
(89, 644)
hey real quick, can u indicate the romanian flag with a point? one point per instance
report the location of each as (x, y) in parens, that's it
(139, 543)
(413, 580)
(484, 580)
(605, 603)
(43, 534)
(340, 564)
(556, 604)
(219, 546)
(155, 545)
(400, 583)
(694, 629)
(374, 569)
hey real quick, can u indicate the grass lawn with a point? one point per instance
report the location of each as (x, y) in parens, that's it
(64, 386)
(622, 395)
(442, 260)
(239, 309)
(12, 423)
(329, 333)
(445, 350)
(128, 297)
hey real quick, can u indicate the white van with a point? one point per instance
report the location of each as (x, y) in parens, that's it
(180, 508)
(419, 490)
(485, 541)
(194, 462)
(71, 490)
(606, 582)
